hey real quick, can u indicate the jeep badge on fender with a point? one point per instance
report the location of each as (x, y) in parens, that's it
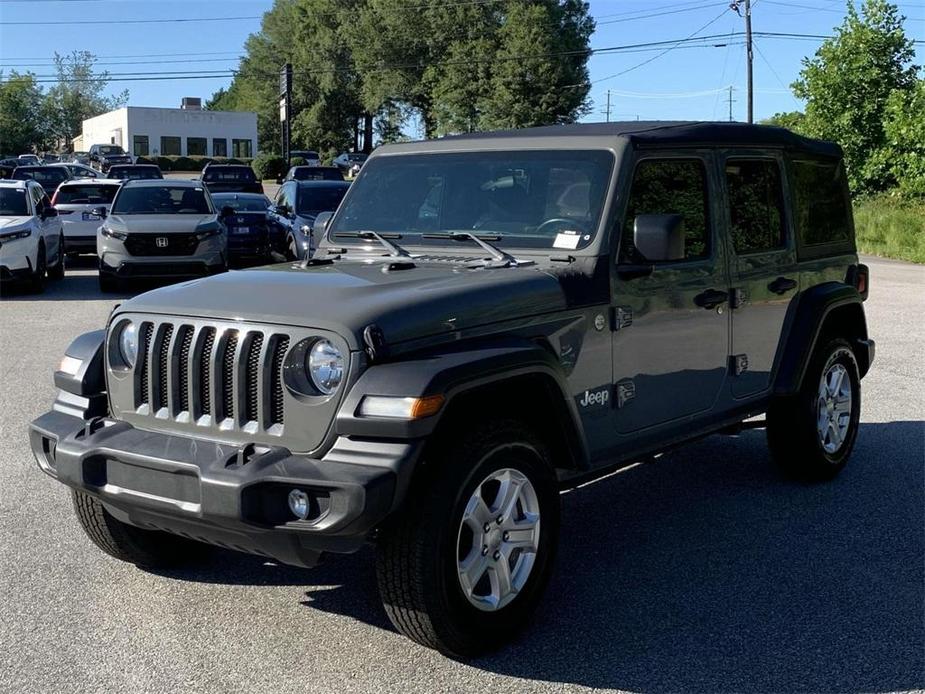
(421, 382)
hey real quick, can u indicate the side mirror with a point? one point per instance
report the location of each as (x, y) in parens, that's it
(282, 210)
(279, 180)
(322, 221)
(227, 211)
(659, 237)
(101, 212)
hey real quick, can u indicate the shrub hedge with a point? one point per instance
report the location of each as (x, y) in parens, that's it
(269, 166)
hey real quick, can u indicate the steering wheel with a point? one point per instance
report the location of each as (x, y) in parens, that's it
(575, 224)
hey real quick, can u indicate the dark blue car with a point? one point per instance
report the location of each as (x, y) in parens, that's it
(247, 225)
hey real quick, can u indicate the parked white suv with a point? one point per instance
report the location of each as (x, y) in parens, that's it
(82, 205)
(31, 235)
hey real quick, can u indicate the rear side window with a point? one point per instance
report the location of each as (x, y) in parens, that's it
(670, 186)
(756, 205)
(821, 202)
(241, 174)
(88, 194)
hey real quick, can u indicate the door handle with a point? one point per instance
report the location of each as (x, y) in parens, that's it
(782, 285)
(711, 298)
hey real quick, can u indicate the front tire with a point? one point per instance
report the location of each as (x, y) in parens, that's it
(56, 272)
(36, 283)
(811, 435)
(109, 285)
(464, 565)
(150, 549)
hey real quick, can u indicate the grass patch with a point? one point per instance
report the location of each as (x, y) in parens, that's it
(891, 227)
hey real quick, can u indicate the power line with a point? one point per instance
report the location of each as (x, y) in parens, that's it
(674, 45)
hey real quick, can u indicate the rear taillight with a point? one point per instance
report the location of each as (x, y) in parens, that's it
(54, 199)
(859, 278)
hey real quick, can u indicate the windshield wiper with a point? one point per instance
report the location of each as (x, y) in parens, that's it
(394, 249)
(498, 256)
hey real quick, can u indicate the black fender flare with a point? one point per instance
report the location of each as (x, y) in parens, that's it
(82, 387)
(452, 374)
(809, 316)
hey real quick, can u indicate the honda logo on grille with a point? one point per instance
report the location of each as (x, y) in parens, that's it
(161, 241)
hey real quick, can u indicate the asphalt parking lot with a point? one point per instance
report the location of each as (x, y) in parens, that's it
(705, 571)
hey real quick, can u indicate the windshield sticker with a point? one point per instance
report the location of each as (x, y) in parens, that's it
(568, 240)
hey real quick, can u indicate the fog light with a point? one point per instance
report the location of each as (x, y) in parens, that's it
(299, 503)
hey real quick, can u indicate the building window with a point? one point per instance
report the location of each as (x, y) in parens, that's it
(196, 146)
(140, 145)
(219, 147)
(241, 149)
(170, 146)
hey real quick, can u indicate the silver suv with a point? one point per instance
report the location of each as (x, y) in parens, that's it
(161, 229)
(31, 238)
(82, 204)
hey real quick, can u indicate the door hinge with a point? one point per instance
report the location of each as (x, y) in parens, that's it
(626, 391)
(739, 364)
(738, 297)
(621, 317)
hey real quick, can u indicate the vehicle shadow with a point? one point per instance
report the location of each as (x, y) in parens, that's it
(706, 571)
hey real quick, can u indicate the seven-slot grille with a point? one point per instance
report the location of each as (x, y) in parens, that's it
(225, 377)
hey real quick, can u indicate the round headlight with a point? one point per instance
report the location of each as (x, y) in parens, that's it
(325, 366)
(128, 344)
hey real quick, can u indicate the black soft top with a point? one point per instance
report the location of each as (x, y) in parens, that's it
(652, 133)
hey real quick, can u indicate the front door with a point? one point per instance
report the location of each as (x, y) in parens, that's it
(763, 265)
(671, 319)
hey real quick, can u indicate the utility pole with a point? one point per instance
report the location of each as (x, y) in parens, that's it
(607, 110)
(750, 55)
(750, 59)
(731, 102)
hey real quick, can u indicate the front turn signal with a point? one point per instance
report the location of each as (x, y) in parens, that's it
(400, 408)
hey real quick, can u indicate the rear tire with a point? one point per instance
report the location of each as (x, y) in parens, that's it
(149, 549)
(811, 435)
(425, 552)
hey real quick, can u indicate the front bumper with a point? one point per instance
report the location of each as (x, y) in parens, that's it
(232, 496)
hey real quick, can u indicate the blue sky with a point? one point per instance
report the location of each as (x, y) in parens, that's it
(689, 83)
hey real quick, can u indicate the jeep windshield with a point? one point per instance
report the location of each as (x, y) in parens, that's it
(113, 150)
(161, 200)
(526, 199)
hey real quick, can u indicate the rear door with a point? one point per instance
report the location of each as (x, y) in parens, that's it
(765, 276)
(670, 320)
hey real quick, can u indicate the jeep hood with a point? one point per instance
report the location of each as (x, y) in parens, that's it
(157, 223)
(347, 296)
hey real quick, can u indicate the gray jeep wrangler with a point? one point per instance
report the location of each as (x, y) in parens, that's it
(488, 319)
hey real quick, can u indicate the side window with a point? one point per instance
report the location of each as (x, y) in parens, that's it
(756, 205)
(38, 204)
(670, 186)
(821, 202)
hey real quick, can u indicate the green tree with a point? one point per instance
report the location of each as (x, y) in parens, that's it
(792, 120)
(904, 127)
(78, 95)
(22, 116)
(847, 84)
(551, 88)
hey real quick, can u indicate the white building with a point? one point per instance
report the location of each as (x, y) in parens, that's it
(186, 131)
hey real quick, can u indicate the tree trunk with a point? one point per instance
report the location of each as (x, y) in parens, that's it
(367, 133)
